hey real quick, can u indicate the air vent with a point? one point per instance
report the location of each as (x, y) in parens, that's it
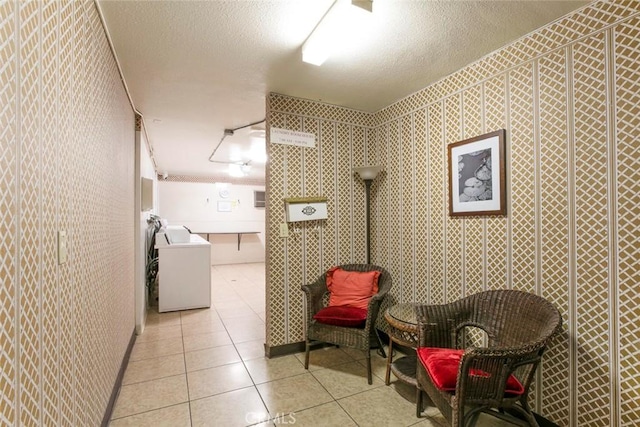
(259, 199)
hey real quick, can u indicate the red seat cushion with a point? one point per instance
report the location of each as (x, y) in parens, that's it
(351, 288)
(351, 317)
(442, 365)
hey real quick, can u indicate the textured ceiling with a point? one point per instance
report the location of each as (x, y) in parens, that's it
(195, 68)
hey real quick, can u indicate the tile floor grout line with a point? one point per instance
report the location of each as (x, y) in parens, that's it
(255, 387)
(253, 381)
(147, 411)
(186, 372)
(152, 358)
(154, 379)
(346, 412)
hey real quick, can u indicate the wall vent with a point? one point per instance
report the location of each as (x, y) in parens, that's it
(259, 199)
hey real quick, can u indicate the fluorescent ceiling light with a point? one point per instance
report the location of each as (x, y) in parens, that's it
(258, 151)
(257, 133)
(341, 24)
(239, 170)
(235, 153)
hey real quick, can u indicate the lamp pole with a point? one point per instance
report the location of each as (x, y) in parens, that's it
(368, 174)
(367, 184)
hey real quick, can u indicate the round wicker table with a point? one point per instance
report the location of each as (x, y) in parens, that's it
(403, 330)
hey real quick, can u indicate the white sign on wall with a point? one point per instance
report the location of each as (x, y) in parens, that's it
(306, 211)
(292, 137)
(305, 208)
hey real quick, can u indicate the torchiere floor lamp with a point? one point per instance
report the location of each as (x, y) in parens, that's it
(368, 174)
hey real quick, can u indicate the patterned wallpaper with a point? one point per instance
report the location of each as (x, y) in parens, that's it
(569, 97)
(321, 171)
(66, 163)
(212, 179)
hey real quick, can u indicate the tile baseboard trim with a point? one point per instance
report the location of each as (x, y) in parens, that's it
(542, 421)
(297, 347)
(291, 348)
(116, 386)
(283, 350)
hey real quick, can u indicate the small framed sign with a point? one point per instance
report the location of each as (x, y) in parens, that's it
(292, 137)
(477, 175)
(225, 206)
(305, 208)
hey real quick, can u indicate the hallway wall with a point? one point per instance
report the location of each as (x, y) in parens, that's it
(567, 95)
(145, 168)
(342, 136)
(66, 163)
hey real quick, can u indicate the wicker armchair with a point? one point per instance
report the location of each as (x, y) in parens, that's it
(358, 338)
(517, 328)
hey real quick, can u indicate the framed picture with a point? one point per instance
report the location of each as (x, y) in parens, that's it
(225, 206)
(477, 175)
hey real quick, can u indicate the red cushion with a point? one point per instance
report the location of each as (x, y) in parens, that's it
(351, 288)
(342, 316)
(442, 365)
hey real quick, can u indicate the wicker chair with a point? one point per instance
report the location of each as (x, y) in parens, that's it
(517, 329)
(358, 338)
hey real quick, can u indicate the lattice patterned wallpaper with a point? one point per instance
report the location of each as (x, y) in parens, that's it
(66, 163)
(212, 179)
(569, 97)
(321, 171)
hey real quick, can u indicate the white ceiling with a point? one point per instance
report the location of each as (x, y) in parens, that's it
(195, 68)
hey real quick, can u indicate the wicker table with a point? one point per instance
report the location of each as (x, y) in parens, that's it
(404, 331)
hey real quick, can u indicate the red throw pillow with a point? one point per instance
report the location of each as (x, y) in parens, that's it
(350, 317)
(442, 365)
(351, 288)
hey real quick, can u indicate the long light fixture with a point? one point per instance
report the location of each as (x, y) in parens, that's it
(339, 25)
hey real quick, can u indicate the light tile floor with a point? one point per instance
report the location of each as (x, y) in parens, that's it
(207, 368)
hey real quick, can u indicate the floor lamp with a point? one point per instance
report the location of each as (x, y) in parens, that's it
(368, 174)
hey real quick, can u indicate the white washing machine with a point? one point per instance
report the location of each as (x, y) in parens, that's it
(184, 270)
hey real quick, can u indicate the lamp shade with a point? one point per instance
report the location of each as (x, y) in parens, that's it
(367, 172)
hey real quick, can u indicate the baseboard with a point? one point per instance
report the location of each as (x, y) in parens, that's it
(116, 387)
(292, 348)
(297, 347)
(283, 350)
(542, 421)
